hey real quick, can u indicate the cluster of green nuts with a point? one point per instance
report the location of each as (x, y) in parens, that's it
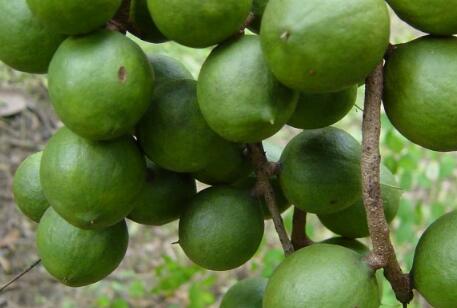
(139, 130)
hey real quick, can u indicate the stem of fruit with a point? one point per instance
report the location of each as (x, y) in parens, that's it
(120, 21)
(264, 170)
(383, 254)
(299, 237)
(19, 276)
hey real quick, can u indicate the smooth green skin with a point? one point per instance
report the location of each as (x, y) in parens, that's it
(320, 170)
(258, 7)
(164, 197)
(359, 248)
(229, 166)
(167, 69)
(437, 17)
(92, 184)
(174, 134)
(74, 16)
(25, 44)
(246, 293)
(434, 272)
(239, 97)
(197, 23)
(100, 84)
(27, 190)
(141, 23)
(352, 222)
(348, 41)
(322, 276)
(420, 97)
(281, 201)
(324, 109)
(221, 229)
(78, 257)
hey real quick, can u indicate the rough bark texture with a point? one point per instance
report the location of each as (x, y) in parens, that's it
(299, 237)
(264, 170)
(383, 255)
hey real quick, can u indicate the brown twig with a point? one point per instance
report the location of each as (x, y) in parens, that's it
(121, 20)
(263, 171)
(299, 237)
(383, 255)
(19, 276)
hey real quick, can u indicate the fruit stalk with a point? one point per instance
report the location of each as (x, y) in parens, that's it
(383, 254)
(120, 21)
(263, 171)
(299, 237)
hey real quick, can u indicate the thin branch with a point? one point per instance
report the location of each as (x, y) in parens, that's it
(19, 276)
(299, 237)
(121, 20)
(383, 255)
(263, 173)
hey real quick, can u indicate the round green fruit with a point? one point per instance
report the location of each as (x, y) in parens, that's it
(78, 257)
(246, 293)
(324, 109)
(100, 84)
(320, 170)
(174, 134)
(338, 58)
(352, 222)
(221, 229)
(359, 248)
(239, 97)
(258, 7)
(199, 24)
(434, 272)
(92, 184)
(27, 190)
(141, 24)
(322, 276)
(26, 45)
(437, 17)
(167, 69)
(420, 97)
(282, 203)
(229, 166)
(163, 198)
(74, 16)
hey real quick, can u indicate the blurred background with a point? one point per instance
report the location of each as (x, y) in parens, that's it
(155, 272)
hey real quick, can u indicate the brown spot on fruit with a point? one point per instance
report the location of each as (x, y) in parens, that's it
(122, 74)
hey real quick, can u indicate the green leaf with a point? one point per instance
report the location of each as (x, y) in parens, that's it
(171, 275)
(405, 233)
(438, 209)
(423, 181)
(137, 289)
(103, 301)
(391, 163)
(271, 260)
(408, 162)
(406, 180)
(199, 294)
(447, 166)
(120, 303)
(406, 211)
(393, 141)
